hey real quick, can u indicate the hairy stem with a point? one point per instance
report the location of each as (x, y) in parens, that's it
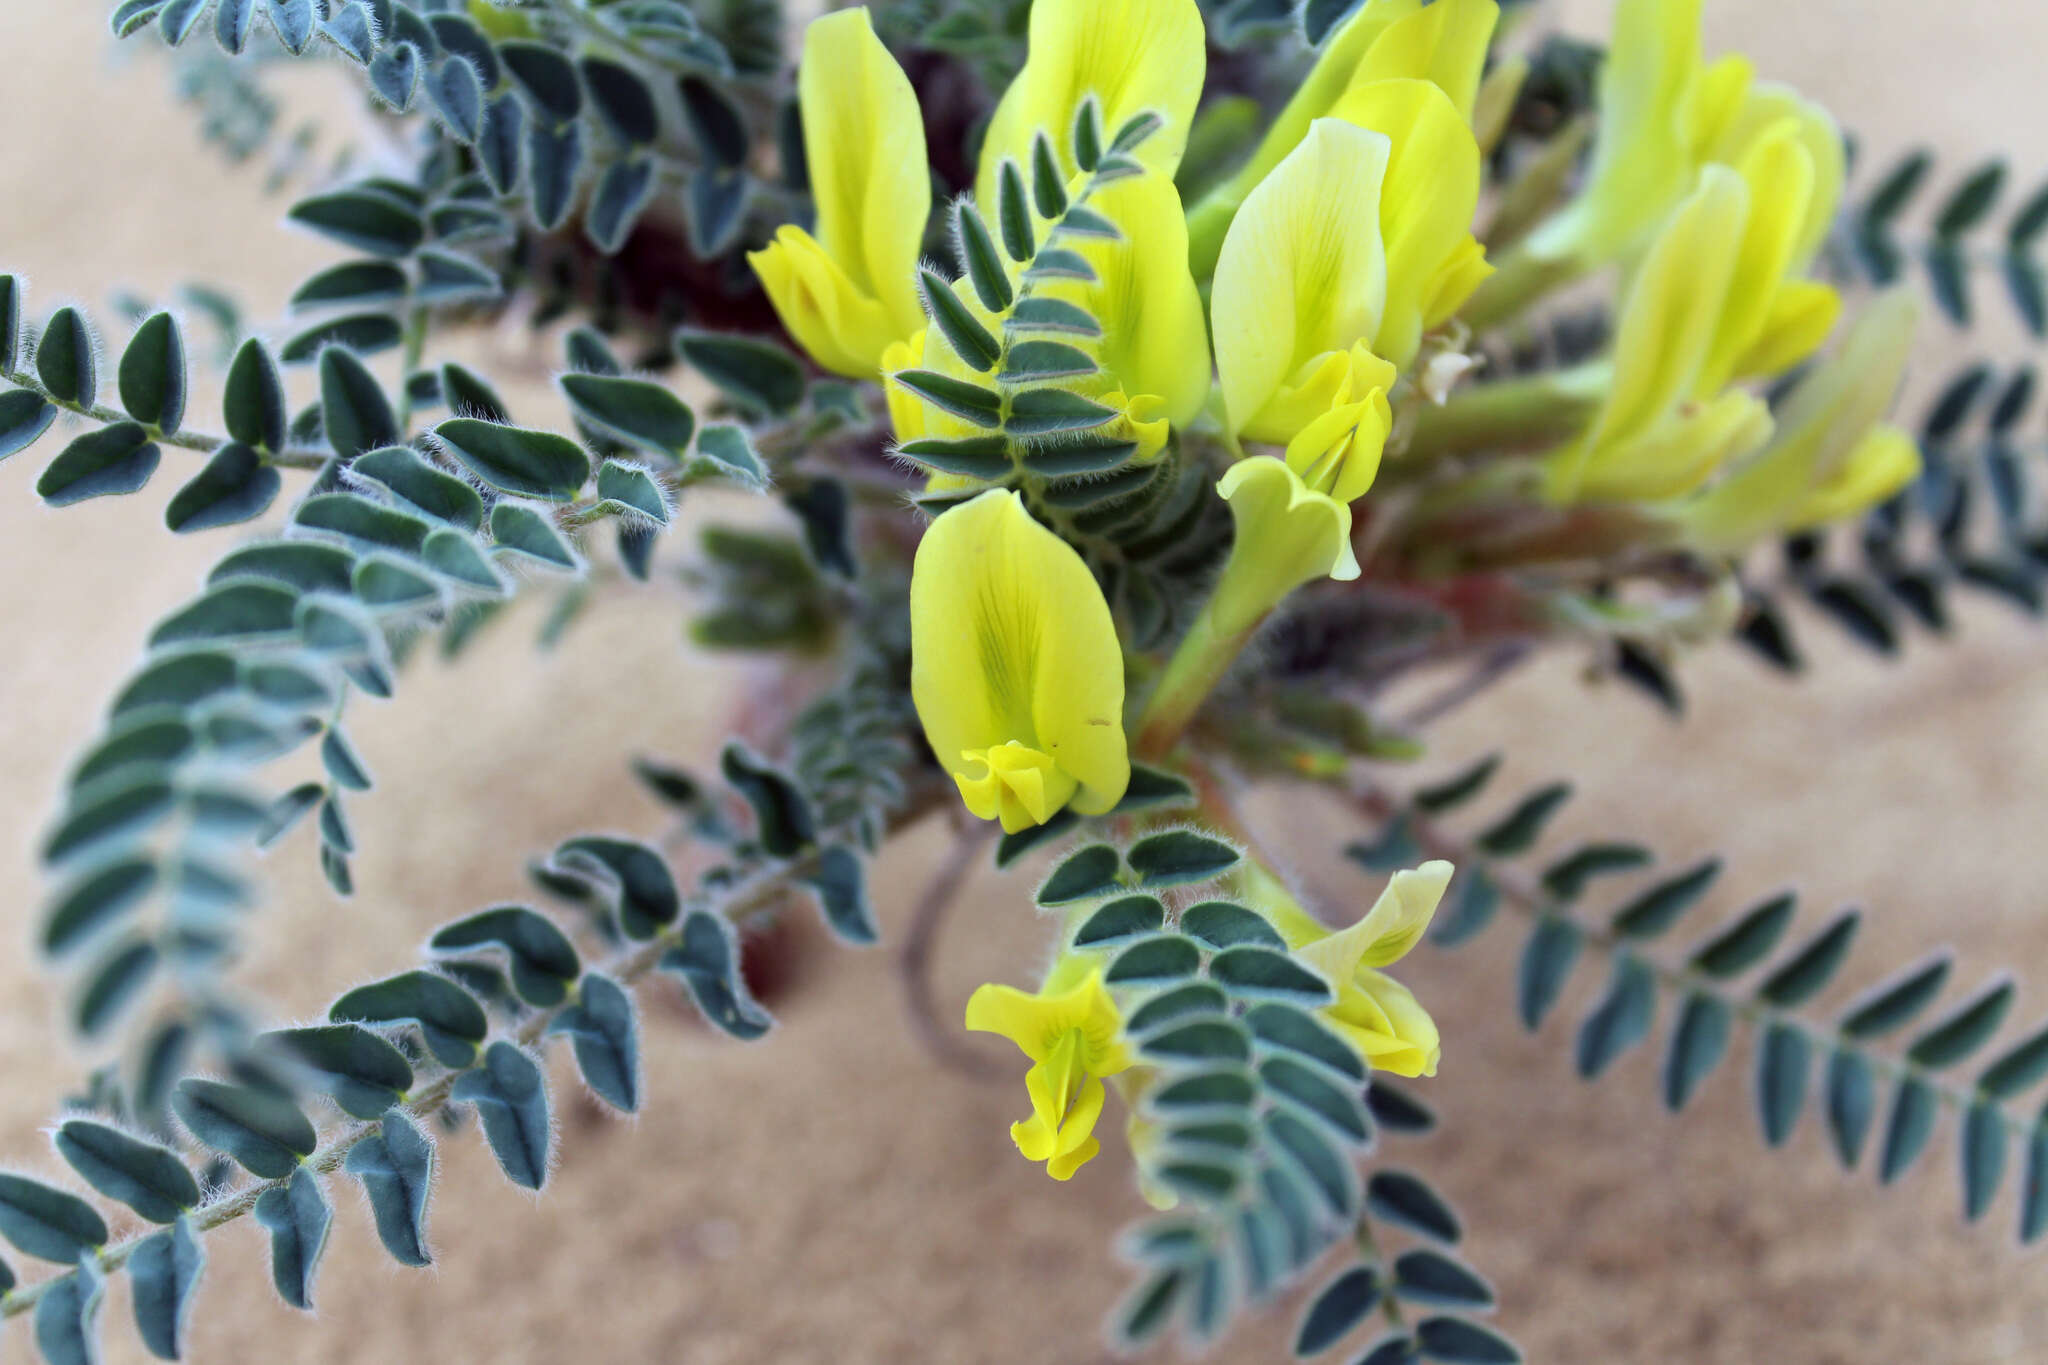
(188, 440)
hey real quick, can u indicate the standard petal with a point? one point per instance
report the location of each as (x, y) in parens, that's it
(1641, 162)
(842, 328)
(1135, 56)
(1154, 341)
(1778, 174)
(1427, 199)
(1302, 272)
(1886, 460)
(865, 151)
(1287, 535)
(1386, 932)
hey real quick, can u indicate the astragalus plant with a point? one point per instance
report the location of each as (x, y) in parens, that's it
(1130, 393)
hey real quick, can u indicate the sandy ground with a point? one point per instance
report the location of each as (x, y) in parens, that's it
(834, 1195)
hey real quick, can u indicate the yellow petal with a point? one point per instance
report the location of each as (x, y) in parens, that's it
(1876, 467)
(1764, 110)
(1135, 56)
(1641, 156)
(1386, 932)
(1778, 175)
(1668, 321)
(843, 329)
(906, 410)
(1427, 198)
(1444, 44)
(1388, 1025)
(864, 147)
(1821, 424)
(1802, 314)
(1678, 454)
(1303, 270)
(1287, 535)
(1154, 341)
(1338, 454)
(1012, 642)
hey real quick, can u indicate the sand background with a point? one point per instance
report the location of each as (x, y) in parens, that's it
(835, 1195)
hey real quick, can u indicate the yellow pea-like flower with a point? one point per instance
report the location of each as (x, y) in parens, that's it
(1656, 436)
(848, 290)
(1073, 1034)
(1376, 1014)
(1643, 159)
(1427, 199)
(1134, 56)
(1015, 667)
(1301, 287)
(1832, 456)
(1443, 43)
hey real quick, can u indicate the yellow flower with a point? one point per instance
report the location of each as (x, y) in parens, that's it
(1134, 56)
(849, 290)
(1427, 200)
(1663, 117)
(1015, 667)
(1376, 1014)
(1442, 43)
(1301, 287)
(1832, 456)
(1657, 435)
(1074, 1037)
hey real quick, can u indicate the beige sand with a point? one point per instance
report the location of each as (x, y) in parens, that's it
(833, 1195)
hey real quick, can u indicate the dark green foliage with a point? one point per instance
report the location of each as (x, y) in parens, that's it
(1120, 921)
(99, 897)
(2019, 1068)
(163, 1274)
(1547, 960)
(1851, 1102)
(605, 1031)
(362, 219)
(1784, 1061)
(1520, 828)
(1747, 941)
(261, 1129)
(645, 414)
(784, 822)
(396, 1167)
(1221, 924)
(1915, 1106)
(298, 1216)
(535, 464)
(840, 885)
(1983, 1150)
(24, 417)
(1658, 908)
(143, 1174)
(1430, 1278)
(253, 402)
(1179, 857)
(234, 486)
(354, 411)
(1810, 969)
(1569, 875)
(1698, 1042)
(1085, 874)
(543, 962)
(1458, 1341)
(1195, 998)
(1255, 973)
(1471, 903)
(511, 1100)
(47, 1223)
(1341, 1305)
(363, 1073)
(449, 1017)
(152, 377)
(1895, 1003)
(1960, 1033)
(528, 533)
(1408, 1201)
(115, 459)
(1155, 961)
(1622, 1018)
(708, 960)
(758, 376)
(65, 359)
(67, 1318)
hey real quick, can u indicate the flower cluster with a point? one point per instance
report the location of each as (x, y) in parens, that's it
(1296, 330)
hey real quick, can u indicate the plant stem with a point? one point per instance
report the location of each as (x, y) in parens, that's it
(1524, 413)
(205, 442)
